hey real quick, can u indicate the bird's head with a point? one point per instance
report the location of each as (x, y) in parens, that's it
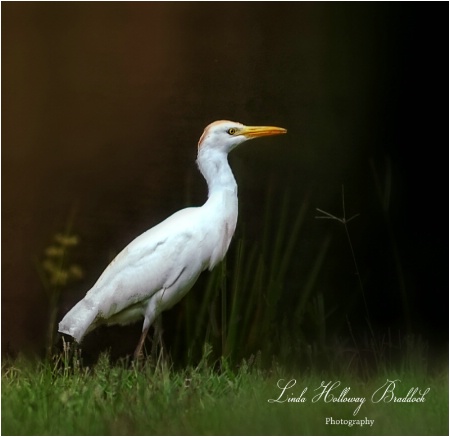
(225, 135)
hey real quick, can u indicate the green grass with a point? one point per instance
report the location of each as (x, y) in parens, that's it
(208, 399)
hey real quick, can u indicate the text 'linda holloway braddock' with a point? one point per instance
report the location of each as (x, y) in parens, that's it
(329, 392)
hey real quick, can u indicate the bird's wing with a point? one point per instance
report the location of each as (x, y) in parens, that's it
(150, 263)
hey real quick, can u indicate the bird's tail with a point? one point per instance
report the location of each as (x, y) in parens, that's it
(79, 320)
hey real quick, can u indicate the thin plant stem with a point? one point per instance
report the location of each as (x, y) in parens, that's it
(344, 220)
(384, 194)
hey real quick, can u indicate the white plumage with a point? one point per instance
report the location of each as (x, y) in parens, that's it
(160, 266)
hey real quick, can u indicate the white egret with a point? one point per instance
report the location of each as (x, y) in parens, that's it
(160, 266)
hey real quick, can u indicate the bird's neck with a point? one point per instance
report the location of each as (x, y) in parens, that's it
(215, 169)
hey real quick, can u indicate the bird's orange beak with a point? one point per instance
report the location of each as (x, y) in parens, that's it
(261, 131)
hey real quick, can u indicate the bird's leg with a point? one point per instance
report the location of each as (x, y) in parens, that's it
(157, 336)
(138, 351)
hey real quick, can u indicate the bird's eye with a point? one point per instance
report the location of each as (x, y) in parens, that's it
(231, 131)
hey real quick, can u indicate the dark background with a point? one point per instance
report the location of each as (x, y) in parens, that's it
(103, 105)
